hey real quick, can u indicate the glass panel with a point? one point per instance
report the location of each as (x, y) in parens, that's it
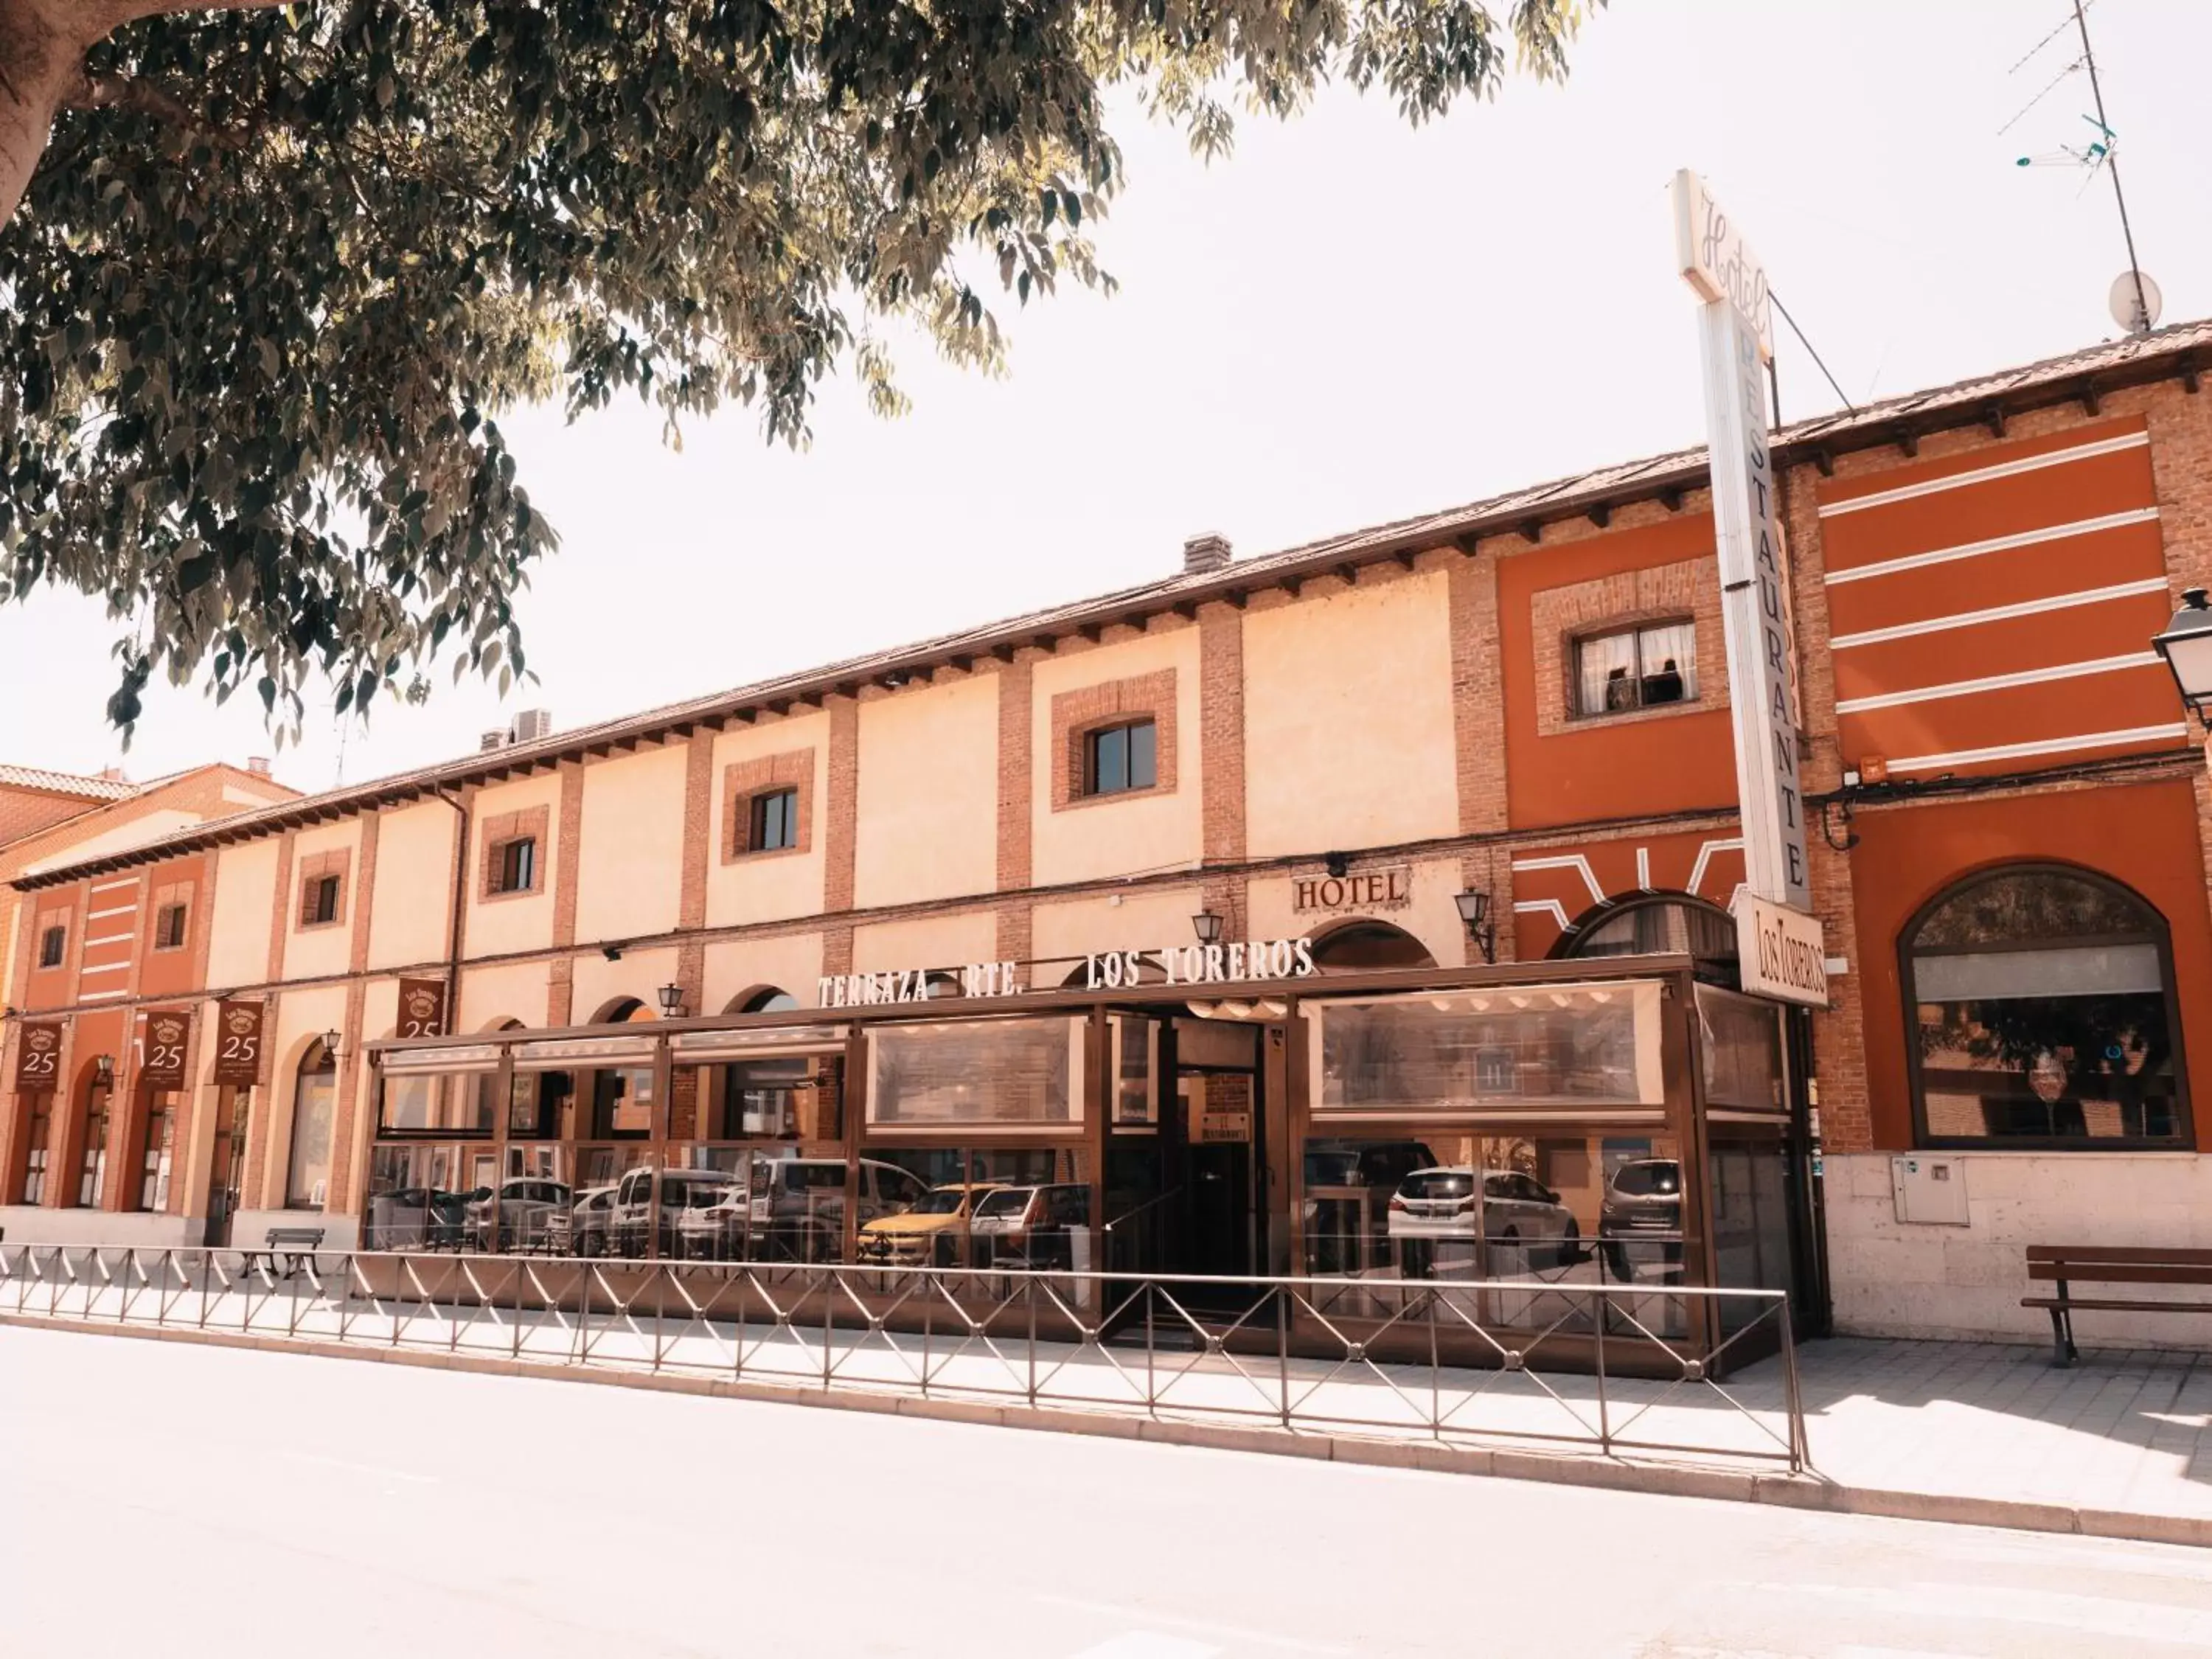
(1667, 660)
(1536, 1215)
(2075, 971)
(2087, 1068)
(412, 1202)
(92, 1172)
(153, 1169)
(2032, 907)
(982, 1072)
(1110, 760)
(1136, 1070)
(1742, 1049)
(426, 1103)
(306, 1181)
(1750, 1225)
(622, 1102)
(1482, 1051)
(1605, 674)
(1143, 741)
(518, 1215)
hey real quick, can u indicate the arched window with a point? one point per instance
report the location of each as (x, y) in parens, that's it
(1368, 945)
(768, 1000)
(314, 1103)
(1661, 927)
(622, 1096)
(2041, 1011)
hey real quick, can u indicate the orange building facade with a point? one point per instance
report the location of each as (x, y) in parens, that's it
(1527, 698)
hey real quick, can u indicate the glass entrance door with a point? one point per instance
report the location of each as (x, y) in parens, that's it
(1221, 1126)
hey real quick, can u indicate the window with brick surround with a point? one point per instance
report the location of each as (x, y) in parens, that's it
(1623, 669)
(319, 901)
(768, 805)
(1119, 758)
(1114, 741)
(515, 865)
(169, 927)
(52, 944)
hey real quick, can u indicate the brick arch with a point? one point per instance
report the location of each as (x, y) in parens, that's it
(1556, 888)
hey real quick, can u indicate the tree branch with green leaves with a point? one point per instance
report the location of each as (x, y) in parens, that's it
(271, 274)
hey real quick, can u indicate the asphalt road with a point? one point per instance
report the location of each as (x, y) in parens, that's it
(157, 1498)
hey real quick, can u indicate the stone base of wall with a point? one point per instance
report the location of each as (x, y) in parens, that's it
(1908, 1279)
(35, 1225)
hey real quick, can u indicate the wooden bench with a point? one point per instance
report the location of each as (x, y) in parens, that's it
(2067, 1265)
(297, 1245)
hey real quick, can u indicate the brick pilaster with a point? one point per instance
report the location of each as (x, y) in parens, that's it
(1221, 731)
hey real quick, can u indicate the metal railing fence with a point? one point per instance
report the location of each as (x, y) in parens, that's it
(1597, 1367)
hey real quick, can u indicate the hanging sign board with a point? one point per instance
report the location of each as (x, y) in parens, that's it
(168, 1030)
(38, 1056)
(1780, 953)
(1736, 340)
(421, 1008)
(238, 1043)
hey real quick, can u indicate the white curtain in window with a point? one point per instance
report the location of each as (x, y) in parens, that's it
(1677, 642)
(1602, 664)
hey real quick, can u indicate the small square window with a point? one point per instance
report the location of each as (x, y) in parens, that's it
(52, 944)
(1119, 758)
(320, 901)
(169, 927)
(773, 822)
(518, 866)
(1636, 668)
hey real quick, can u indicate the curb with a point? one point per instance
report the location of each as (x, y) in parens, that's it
(1796, 1491)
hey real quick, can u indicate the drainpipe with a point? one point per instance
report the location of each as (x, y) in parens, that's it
(460, 895)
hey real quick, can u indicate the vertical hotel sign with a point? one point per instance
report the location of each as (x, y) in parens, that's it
(1736, 330)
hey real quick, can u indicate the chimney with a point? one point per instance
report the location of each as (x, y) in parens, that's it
(112, 774)
(491, 740)
(531, 725)
(258, 764)
(1203, 553)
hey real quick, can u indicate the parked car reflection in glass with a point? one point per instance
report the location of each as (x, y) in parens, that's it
(1438, 1216)
(933, 1233)
(1640, 1225)
(524, 1208)
(1024, 1227)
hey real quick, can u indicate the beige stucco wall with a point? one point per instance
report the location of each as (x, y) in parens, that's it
(928, 793)
(313, 951)
(1145, 832)
(490, 996)
(629, 873)
(739, 967)
(640, 974)
(1431, 918)
(1136, 921)
(245, 892)
(953, 941)
(781, 885)
(414, 894)
(497, 926)
(1348, 738)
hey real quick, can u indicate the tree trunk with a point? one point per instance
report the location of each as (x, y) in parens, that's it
(41, 61)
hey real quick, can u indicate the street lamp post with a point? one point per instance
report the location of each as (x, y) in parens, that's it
(2186, 646)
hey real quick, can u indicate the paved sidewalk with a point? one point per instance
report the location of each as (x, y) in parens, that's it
(2118, 1445)
(2124, 1431)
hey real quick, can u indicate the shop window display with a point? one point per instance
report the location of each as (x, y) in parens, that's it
(2042, 1014)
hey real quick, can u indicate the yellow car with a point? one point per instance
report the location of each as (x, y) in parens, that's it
(928, 1234)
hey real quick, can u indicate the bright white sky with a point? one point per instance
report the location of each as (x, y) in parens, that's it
(1346, 322)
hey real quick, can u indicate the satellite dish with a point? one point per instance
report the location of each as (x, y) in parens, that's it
(2134, 318)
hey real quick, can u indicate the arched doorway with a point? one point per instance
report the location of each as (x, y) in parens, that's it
(1659, 924)
(762, 999)
(91, 1139)
(1362, 942)
(622, 1096)
(314, 1105)
(2041, 1011)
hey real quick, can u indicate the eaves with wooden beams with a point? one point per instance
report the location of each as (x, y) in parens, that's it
(2181, 352)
